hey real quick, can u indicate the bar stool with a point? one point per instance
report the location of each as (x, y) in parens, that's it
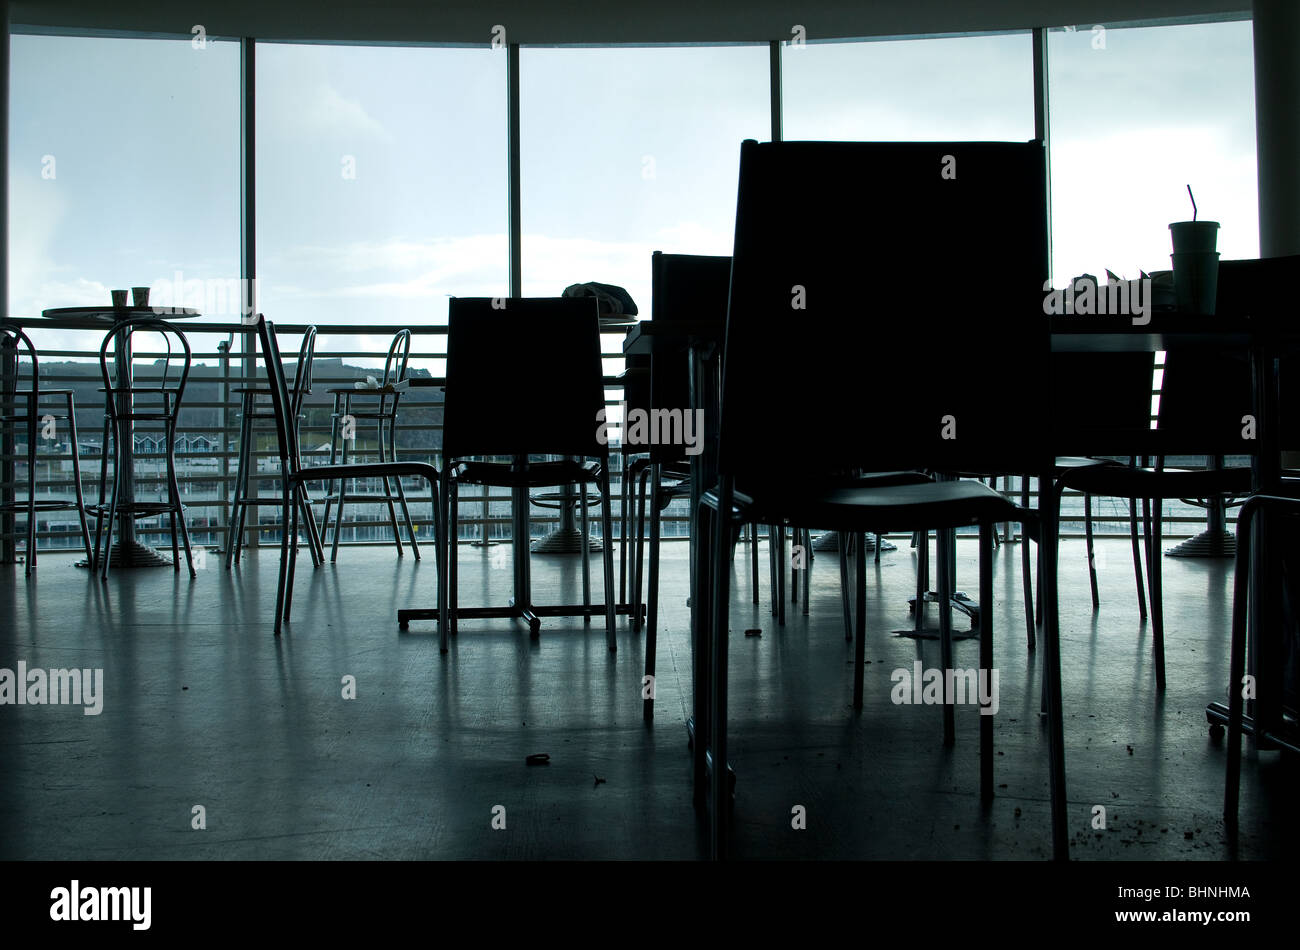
(251, 413)
(384, 415)
(31, 416)
(162, 404)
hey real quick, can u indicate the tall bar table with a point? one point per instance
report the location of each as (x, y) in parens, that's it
(128, 551)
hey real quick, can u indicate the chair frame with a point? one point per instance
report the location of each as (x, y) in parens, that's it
(10, 337)
(294, 477)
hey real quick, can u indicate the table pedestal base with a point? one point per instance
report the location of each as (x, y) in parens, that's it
(830, 541)
(565, 541)
(134, 554)
(1206, 544)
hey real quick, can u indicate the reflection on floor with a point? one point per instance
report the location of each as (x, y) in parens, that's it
(202, 707)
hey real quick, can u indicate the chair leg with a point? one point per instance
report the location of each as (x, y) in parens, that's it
(773, 566)
(32, 412)
(335, 423)
(807, 569)
(343, 492)
(721, 579)
(107, 556)
(780, 571)
(1154, 564)
(639, 559)
(752, 533)
(76, 480)
(1137, 557)
(309, 525)
(922, 576)
(1092, 563)
(585, 542)
(943, 591)
(440, 558)
(796, 536)
(880, 541)
(174, 489)
(1049, 505)
(652, 601)
(388, 489)
(860, 647)
(453, 552)
(291, 527)
(987, 533)
(283, 583)
(607, 551)
(623, 529)
(1237, 664)
(844, 584)
(1026, 572)
(401, 492)
(103, 494)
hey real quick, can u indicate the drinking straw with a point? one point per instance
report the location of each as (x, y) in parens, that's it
(1193, 197)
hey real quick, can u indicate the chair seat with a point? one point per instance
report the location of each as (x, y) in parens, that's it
(27, 393)
(23, 417)
(536, 475)
(1125, 482)
(1060, 462)
(879, 507)
(136, 509)
(39, 505)
(317, 473)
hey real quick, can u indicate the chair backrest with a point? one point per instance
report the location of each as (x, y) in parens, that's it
(524, 377)
(302, 372)
(281, 401)
(685, 287)
(170, 388)
(399, 355)
(1101, 403)
(930, 257)
(1206, 393)
(13, 337)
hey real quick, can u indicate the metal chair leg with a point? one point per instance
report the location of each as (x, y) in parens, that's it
(1092, 561)
(76, 479)
(1137, 557)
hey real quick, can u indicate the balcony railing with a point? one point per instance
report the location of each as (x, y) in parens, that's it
(207, 460)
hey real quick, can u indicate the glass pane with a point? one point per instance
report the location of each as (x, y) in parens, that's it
(381, 187)
(972, 88)
(1136, 116)
(123, 171)
(629, 151)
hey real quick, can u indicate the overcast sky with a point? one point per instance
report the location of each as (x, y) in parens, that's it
(382, 171)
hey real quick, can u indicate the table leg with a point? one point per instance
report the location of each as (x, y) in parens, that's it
(8, 385)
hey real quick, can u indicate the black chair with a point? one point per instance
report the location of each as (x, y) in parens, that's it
(384, 415)
(294, 476)
(251, 413)
(134, 400)
(1204, 396)
(31, 417)
(525, 378)
(794, 286)
(1264, 289)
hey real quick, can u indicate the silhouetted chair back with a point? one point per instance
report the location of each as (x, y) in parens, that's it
(685, 287)
(524, 379)
(800, 303)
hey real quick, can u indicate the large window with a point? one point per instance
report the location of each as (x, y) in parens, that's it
(976, 88)
(381, 184)
(629, 151)
(1136, 116)
(123, 171)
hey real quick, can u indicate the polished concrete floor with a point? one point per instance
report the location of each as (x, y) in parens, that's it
(202, 706)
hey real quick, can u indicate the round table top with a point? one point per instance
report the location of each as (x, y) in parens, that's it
(99, 316)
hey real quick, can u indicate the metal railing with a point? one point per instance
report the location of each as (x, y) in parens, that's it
(212, 408)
